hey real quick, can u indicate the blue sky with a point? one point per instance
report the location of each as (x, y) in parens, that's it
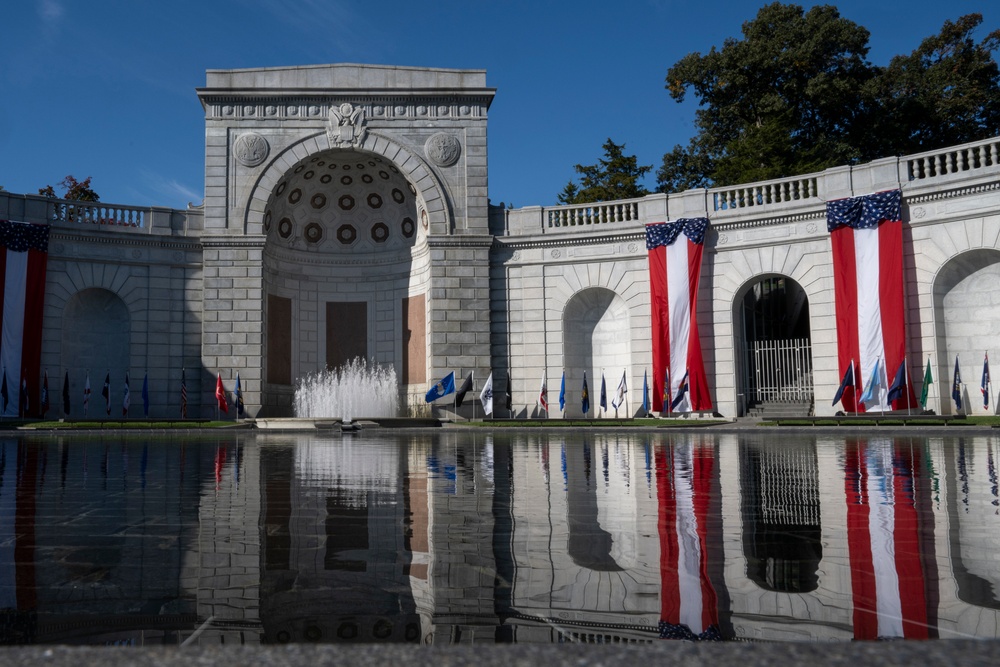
(106, 88)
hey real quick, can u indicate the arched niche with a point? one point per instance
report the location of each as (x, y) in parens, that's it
(596, 337)
(96, 340)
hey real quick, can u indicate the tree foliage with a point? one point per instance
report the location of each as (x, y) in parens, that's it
(73, 190)
(797, 94)
(615, 176)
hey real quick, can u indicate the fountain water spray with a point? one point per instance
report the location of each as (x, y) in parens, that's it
(359, 388)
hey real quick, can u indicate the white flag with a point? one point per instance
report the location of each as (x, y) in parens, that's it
(619, 398)
(486, 396)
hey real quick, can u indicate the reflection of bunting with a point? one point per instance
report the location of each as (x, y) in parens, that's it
(867, 241)
(675, 250)
(23, 257)
(688, 604)
(883, 537)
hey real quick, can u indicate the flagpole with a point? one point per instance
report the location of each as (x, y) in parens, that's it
(473, 390)
(906, 385)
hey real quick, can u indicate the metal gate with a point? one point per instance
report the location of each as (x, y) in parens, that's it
(781, 370)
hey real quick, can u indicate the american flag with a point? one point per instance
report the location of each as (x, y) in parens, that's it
(184, 396)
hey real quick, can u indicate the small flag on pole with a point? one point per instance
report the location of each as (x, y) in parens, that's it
(585, 399)
(66, 394)
(543, 394)
(848, 381)
(509, 392)
(562, 392)
(220, 395)
(928, 380)
(619, 399)
(956, 387)
(682, 390)
(872, 389)
(184, 396)
(604, 393)
(463, 390)
(645, 393)
(985, 387)
(45, 393)
(86, 395)
(898, 386)
(486, 395)
(240, 408)
(126, 397)
(443, 388)
(106, 392)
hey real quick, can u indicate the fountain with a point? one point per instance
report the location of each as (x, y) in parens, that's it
(357, 388)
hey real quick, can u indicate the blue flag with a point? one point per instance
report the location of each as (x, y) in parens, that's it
(898, 383)
(645, 393)
(848, 381)
(956, 387)
(985, 386)
(443, 388)
(145, 395)
(240, 408)
(872, 387)
(585, 401)
(562, 392)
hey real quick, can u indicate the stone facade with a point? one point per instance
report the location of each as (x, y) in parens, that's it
(346, 213)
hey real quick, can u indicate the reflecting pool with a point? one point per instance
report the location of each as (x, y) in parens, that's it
(447, 537)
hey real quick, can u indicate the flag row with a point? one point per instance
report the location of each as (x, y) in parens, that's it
(24, 402)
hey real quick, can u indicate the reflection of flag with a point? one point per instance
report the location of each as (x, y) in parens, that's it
(848, 381)
(184, 396)
(884, 540)
(867, 240)
(675, 251)
(443, 388)
(898, 385)
(585, 399)
(220, 395)
(23, 257)
(45, 394)
(240, 408)
(486, 395)
(126, 397)
(543, 394)
(604, 393)
(689, 607)
(927, 385)
(619, 399)
(872, 389)
(463, 390)
(956, 387)
(985, 387)
(562, 392)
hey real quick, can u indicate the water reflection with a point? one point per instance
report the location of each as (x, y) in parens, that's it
(471, 537)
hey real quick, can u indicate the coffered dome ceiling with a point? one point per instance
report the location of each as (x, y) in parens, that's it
(344, 201)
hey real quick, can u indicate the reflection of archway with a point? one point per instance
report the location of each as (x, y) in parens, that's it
(966, 312)
(782, 534)
(596, 336)
(774, 346)
(95, 339)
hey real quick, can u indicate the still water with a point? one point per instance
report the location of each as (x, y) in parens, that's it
(455, 537)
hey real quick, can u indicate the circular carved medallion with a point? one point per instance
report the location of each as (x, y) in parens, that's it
(919, 212)
(443, 149)
(251, 149)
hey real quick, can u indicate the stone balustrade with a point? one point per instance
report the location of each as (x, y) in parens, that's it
(752, 204)
(113, 217)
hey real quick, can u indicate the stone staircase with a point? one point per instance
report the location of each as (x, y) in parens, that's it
(771, 410)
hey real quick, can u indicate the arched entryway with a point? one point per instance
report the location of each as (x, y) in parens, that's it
(96, 339)
(967, 314)
(774, 348)
(346, 270)
(596, 330)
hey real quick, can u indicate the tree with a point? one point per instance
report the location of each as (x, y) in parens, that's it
(74, 190)
(797, 94)
(615, 176)
(946, 92)
(781, 100)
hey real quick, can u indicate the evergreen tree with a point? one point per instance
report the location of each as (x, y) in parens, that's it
(615, 176)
